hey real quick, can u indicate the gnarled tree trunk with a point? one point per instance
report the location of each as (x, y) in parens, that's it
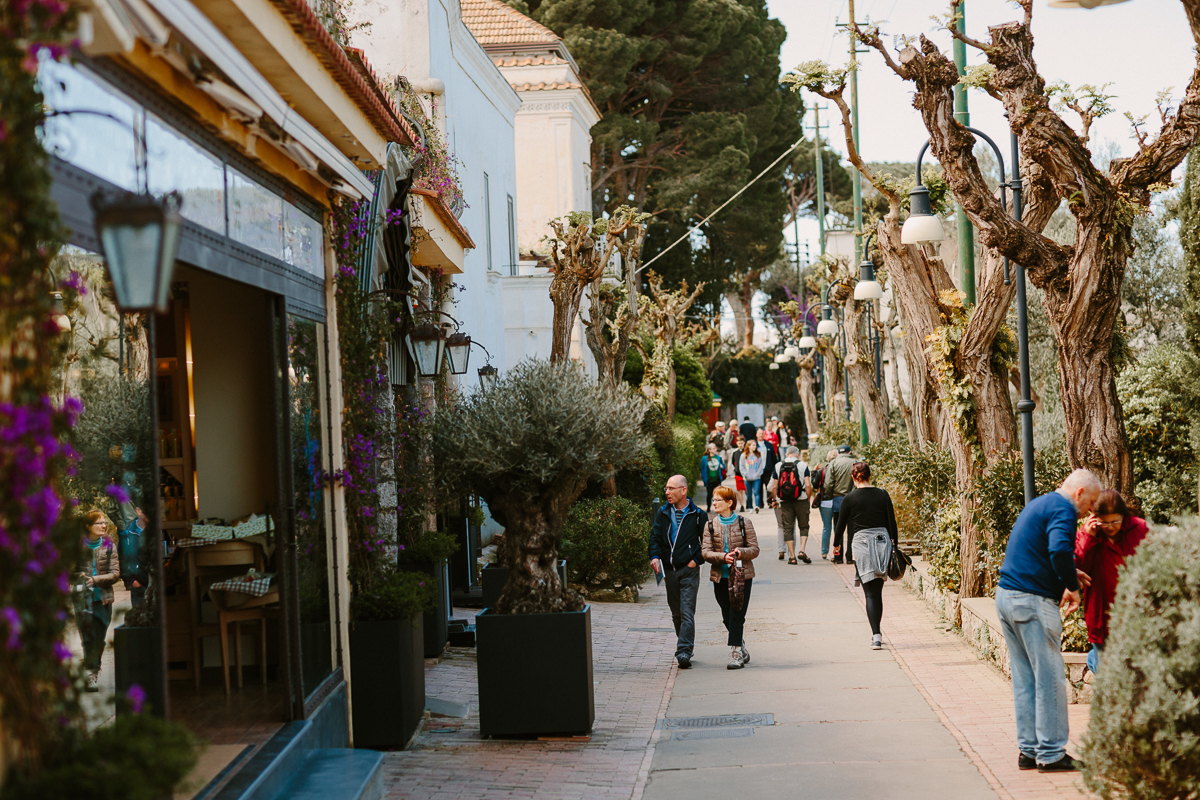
(531, 537)
(806, 386)
(860, 363)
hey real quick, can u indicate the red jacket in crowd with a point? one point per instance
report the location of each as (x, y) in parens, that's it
(1100, 558)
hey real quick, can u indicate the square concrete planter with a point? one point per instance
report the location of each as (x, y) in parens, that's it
(387, 668)
(138, 660)
(437, 620)
(493, 577)
(511, 650)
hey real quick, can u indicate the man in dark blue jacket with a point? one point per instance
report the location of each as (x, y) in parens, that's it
(675, 554)
(1038, 577)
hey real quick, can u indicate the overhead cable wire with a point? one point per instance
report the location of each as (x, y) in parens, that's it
(697, 226)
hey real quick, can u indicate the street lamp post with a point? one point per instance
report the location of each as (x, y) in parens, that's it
(920, 229)
(828, 326)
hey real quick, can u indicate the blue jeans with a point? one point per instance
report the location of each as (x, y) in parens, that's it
(1093, 662)
(754, 492)
(826, 528)
(683, 585)
(1032, 628)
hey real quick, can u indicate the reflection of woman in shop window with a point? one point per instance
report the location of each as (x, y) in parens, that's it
(99, 568)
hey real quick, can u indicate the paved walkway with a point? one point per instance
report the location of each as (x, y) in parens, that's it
(922, 718)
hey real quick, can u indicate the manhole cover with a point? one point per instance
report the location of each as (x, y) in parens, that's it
(711, 733)
(723, 721)
(653, 630)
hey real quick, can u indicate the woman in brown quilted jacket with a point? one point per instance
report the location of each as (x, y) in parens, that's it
(728, 539)
(93, 581)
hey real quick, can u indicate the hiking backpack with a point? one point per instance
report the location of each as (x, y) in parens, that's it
(790, 487)
(817, 476)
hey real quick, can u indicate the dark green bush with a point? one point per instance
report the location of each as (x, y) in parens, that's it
(693, 393)
(401, 595)
(428, 549)
(1143, 740)
(137, 757)
(605, 543)
(689, 434)
(793, 418)
(1159, 397)
(757, 382)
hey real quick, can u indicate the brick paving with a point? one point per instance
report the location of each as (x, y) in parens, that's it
(971, 697)
(633, 670)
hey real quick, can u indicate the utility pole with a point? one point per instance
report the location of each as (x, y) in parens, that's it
(966, 234)
(858, 231)
(820, 177)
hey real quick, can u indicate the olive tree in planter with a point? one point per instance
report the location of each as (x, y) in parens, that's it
(528, 448)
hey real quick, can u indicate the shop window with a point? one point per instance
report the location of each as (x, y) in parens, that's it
(176, 164)
(306, 445)
(255, 215)
(302, 238)
(93, 124)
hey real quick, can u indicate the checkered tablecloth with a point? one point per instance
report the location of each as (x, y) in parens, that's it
(256, 586)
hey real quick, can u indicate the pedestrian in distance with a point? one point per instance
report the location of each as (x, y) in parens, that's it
(748, 429)
(753, 463)
(92, 584)
(1038, 578)
(675, 554)
(1109, 536)
(739, 482)
(712, 472)
(717, 436)
(824, 502)
(793, 487)
(729, 542)
(129, 552)
(869, 521)
(838, 484)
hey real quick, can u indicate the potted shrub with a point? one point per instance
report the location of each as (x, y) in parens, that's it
(387, 656)
(426, 553)
(528, 448)
(605, 540)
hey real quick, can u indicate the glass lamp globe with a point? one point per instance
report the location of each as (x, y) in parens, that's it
(921, 227)
(773, 365)
(807, 342)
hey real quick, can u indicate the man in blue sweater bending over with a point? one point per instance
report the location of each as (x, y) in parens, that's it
(1037, 578)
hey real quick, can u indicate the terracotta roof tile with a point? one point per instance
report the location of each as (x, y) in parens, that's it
(494, 23)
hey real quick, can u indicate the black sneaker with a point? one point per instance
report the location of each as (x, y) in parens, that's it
(1064, 764)
(685, 661)
(1026, 762)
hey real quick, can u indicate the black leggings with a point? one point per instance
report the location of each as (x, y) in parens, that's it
(734, 618)
(874, 592)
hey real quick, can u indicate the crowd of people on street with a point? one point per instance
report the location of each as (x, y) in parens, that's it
(1064, 551)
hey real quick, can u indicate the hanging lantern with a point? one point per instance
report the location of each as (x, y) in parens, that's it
(58, 313)
(427, 345)
(139, 237)
(488, 377)
(921, 227)
(867, 287)
(733, 378)
(827, 326)
(773, 364)
(790, 352)
(458, 351)
(807, 342)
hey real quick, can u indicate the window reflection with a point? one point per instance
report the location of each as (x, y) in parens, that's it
(176, 164)
(302, 240)
(255, 215)
(94, 126)
(304, 399)
(106, 366)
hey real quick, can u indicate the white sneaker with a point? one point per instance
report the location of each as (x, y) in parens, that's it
(877, 642)
(735, 659)
(93, 682)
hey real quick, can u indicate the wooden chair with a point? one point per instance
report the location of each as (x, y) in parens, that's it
(231, 611)
(206, 565)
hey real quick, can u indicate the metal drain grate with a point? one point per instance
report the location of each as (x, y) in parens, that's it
(712, 733)
(723, 721)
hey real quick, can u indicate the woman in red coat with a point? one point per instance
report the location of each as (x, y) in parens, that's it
(1108, 537)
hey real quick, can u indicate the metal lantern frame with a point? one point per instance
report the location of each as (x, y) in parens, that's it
(458, 352)
(139, 239)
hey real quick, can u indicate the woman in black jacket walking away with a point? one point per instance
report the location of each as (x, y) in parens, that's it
(867, 511)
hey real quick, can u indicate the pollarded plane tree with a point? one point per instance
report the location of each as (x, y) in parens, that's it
(613, 312)
(1081, 282)
(965, 363)
(662, 315)
(582, 249)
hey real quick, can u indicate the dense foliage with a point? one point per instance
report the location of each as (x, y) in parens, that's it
(528, 447)
(398, 595)
(605, 541)
(689, 436)
(1143, 739)
(757, 382)
(1160, 396)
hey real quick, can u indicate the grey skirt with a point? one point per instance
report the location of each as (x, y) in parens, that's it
(872, 549)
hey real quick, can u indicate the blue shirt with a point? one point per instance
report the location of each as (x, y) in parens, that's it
(1040, 558)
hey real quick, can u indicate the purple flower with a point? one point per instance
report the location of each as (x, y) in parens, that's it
(117, 493)
(74, 282)
(62, 652)
(64, 585)
(14, 627)
(137, 698)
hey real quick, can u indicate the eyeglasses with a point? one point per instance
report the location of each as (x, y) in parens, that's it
(98, 522)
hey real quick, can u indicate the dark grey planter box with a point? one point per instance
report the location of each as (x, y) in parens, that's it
(437, 621)
(509, 647)
(387, 664)
(138, 656)
(495, 576)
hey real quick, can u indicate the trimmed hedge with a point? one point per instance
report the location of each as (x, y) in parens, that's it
(1143, 740)
(605, 542)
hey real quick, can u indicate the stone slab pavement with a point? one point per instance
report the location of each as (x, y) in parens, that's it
(923, 718)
